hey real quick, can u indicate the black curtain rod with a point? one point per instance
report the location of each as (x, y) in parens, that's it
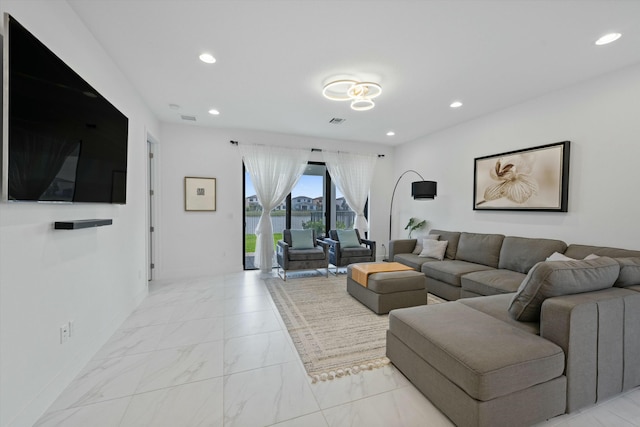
(313, 150)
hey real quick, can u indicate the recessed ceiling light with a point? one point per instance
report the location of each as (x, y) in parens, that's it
(391, 133)
(608, 38)
(455, 104)
(214, 112)
(208, 58)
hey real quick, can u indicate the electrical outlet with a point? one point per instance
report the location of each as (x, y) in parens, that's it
(64, 333)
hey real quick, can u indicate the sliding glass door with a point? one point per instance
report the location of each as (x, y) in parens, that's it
(314, 203)
(307, 203)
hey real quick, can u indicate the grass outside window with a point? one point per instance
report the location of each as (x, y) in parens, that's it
(250, 241)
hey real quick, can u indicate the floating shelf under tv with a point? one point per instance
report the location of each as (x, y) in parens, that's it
(81, 223)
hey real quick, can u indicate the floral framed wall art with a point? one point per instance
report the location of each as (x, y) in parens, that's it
(199, 194)
(533, 179)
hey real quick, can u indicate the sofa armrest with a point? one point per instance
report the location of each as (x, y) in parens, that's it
(325, 246)
(599, 333)
(371, 244)
(333, 244)
(282, 254)
(401, 246)
(283, 245)
(334, 251)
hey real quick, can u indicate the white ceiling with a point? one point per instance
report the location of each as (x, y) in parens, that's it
(274, 57)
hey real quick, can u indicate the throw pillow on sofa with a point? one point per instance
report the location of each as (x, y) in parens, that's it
(557, 256)
(433, 249)
(552, 279)
(629, 272)
(419, 245)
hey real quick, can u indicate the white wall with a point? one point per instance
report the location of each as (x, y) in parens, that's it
(191, 244)
(600, 118)
(94, 277)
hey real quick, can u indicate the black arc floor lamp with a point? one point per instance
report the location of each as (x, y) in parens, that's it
(420, 190)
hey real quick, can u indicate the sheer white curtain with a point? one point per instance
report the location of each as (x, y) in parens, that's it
(353, 174)
(274, 172)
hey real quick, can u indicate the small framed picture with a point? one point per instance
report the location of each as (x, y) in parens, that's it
(533, 179)
(199, 194)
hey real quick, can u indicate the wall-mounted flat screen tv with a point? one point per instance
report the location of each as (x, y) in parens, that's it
(66, 142)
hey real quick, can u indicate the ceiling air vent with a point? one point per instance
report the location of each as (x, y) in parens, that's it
(336, 121)
(190, 118)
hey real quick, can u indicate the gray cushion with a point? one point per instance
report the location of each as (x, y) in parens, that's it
(356, 251)
(396, 281)
(412, 260)
(480, 248)
(306, 254)
(629, 272)
(497, 306)
(482, 355)
(450, 271)
(492, 282)
(453, 237)
(521, 253)
(554, 278)
(581, 251)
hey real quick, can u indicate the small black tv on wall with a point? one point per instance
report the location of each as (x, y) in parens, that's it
(66, 142)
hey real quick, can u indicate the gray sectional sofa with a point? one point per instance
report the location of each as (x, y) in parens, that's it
(522, 339)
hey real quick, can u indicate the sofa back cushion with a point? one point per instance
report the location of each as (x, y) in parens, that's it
(521, 254)
(581, 251)
(480, 248)
(555, 278)
(629, 272)
(453, 237)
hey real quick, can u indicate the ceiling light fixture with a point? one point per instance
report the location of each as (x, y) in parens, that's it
(391, 133)
(207, 57)
(608, 38)
(214, 112)
(360, 94)
(455, 104)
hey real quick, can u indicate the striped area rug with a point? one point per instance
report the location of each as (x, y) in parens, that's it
(334, 334)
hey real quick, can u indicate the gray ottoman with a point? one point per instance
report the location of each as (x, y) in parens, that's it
(388, 291)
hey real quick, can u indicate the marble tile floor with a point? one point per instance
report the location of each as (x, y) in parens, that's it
(214, 352)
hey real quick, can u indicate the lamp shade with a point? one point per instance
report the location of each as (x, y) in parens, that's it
(424, 189)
